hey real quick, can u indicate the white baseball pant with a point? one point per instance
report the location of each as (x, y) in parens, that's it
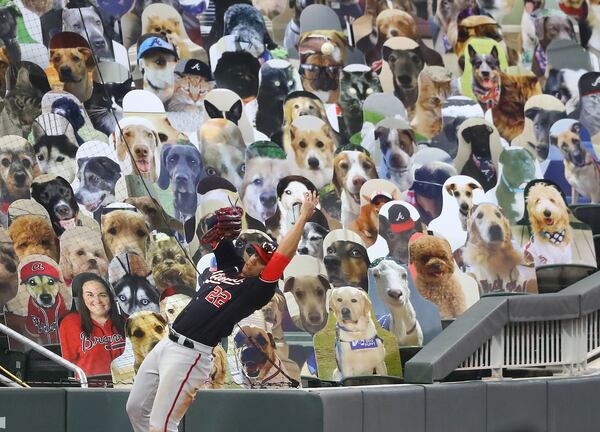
(166, 384)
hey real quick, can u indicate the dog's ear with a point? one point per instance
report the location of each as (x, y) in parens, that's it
(120, 144)
(234, 114)
(472, 186)
(65, 264)
(377, 132)
(157, 140)
(466, 134)
(451, 188)
(293, 131)
(164, 177)
(335, 181)
(494, 53)
(385, 52)
(532, 112)
(472, 52)
(271, 340)
(36, 189)
(540, 27)
(212, 111)
(554, 140)
(289, 284)
(160, 318)
(90, 63)
(367, 305)
(324, 282)
(576, 128)
(128, 328)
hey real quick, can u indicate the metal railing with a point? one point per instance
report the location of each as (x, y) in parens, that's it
(80, 374)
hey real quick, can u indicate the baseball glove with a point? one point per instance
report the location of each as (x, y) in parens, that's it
(226, 222)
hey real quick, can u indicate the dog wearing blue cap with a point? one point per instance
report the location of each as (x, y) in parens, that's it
(157, 59)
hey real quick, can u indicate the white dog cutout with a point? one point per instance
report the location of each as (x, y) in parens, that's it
(392, 286)
(359, 350)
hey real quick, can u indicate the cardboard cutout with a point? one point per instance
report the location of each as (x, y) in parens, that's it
(82, 251)
(346, 259)
(398, 221)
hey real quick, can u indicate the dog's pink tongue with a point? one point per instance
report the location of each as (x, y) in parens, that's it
(529, 6)
(488, 84)
(143, 165)
(68, 223)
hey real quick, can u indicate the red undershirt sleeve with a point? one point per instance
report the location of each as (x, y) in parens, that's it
(274, 268)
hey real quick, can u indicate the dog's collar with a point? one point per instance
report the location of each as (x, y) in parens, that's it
(485, 165)
(511, 188)
(541, 58)
(274, 374)
(487, 98)
(358, 344)
(152, 86)
(556, 237)
(412, 329)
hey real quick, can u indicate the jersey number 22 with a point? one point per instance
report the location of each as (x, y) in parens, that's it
(218, 297)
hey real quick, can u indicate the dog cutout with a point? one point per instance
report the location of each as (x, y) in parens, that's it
(360, 351)
(245, 23)
(156, 217)
(97, 177)
(181, 168)
(311, 242)
(233, 114)
(310, 150)
(172, 270)
(8, 269)
(74, 66)
(18, 168)
(393, 289)
(397, 145)
(398, 221)
(124, 231)
(144, 329)
(518, 169)
(352, 167)
(222, 146)
(346, 259)
(82, 251)
(549, 27)
(87, 22)
(157, 61)
(239, 72)
(58, 199)
(405, 61)
(434, 266)
(55, 146)
(170, 27)
(310, 294)
(261, 366)
(138, 140)
(551, 242)
(171, 306)
(490, 256)
(266, 165)
(463, 193)
(33, 234)
(581, 166)
(134, 290)
(541, 112)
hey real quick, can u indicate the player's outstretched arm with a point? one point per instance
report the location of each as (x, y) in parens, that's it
(289, 243)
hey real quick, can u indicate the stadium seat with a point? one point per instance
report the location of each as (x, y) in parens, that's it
(370, 380)
(554, 278)
(589, 214)
(42, 371)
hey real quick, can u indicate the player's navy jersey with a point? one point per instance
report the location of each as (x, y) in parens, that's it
(226, 297)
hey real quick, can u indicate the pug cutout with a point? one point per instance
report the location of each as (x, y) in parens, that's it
(133, 284)
(549, 232)
(374, 194)
(459, 193)
(455, 110)
(398, 305)
(398, 221)
(166, 21)
(541, 112)
(353, 343)
(346, 259)
(479, 151)
(42, 300)
(304, 310)
(310, 145)
(578, 172)
(492, 256)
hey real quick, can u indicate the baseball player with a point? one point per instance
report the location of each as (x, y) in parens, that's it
(179, 364)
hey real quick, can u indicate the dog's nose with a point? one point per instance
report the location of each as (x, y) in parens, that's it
(46, 299)
(93, 262)
(313, 162)
(181, 178)
(547, 213)
(405, 80)
(396, 294)
(358, 181)
(436, 266)
(314, 317)
(331, 260)
(464, 206)
(303, 250)
(20, 178)
(65, 70)
(141, 151)
(346, 312)
(62, 210)
(394, 32)
(99, 43)
(268, 200)
(496, 233)
(485, 73)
